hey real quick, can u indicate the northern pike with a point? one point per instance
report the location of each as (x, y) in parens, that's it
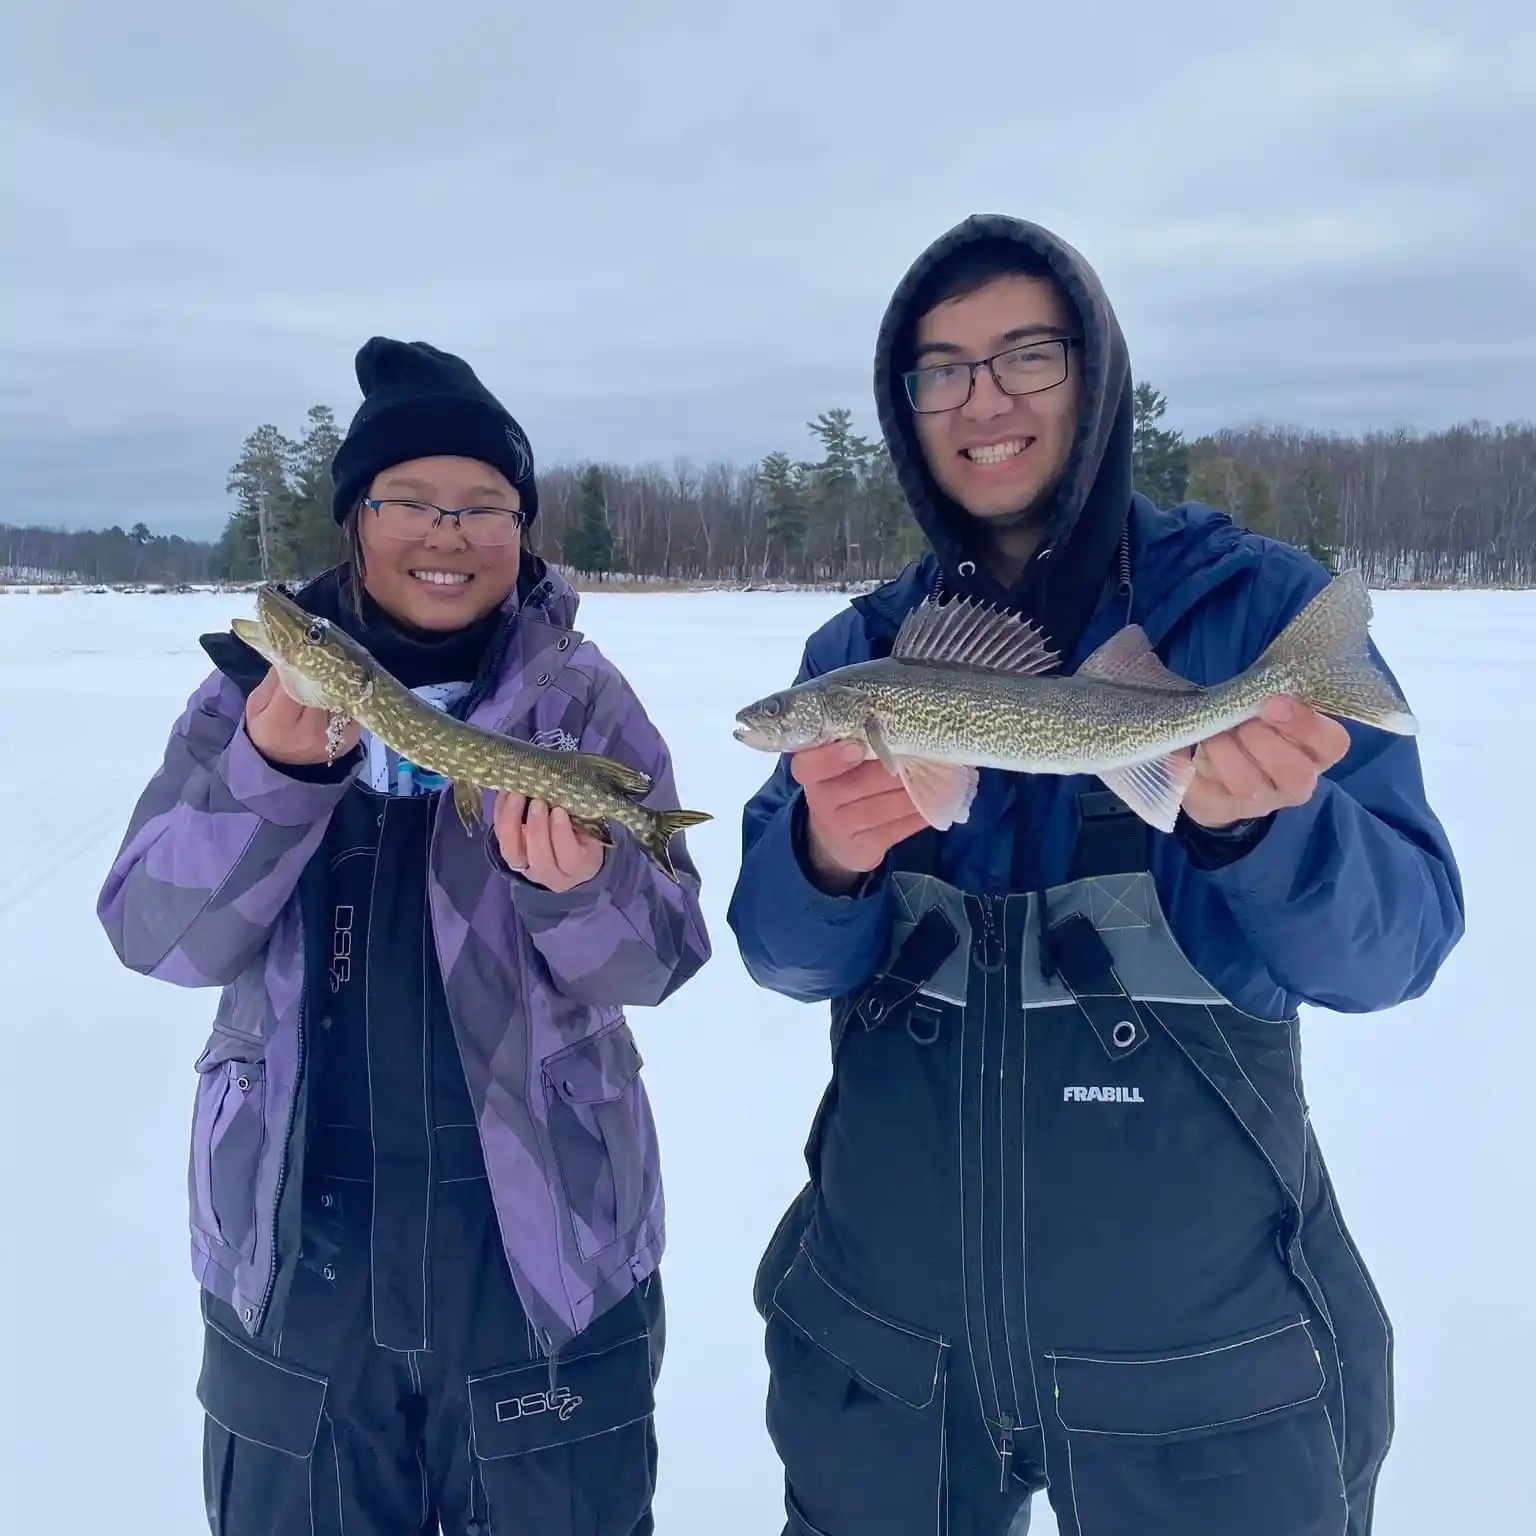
(321, 666)
(965, 688)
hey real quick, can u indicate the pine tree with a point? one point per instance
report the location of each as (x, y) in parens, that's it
(1159, 457)
(589, 546)
(892, 526)
(833, 484)
(1255, 507)
(780, 481)
(317, 539)
(1214, 478)
(259, 481)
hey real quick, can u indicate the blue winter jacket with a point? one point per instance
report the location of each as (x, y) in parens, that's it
(1350, 902)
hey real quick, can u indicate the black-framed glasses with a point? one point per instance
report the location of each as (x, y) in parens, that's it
(399, 518)
(1021, 370)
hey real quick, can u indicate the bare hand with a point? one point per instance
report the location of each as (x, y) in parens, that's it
(856, 811)
(1263, 765)
(286, 732)
(542, 845)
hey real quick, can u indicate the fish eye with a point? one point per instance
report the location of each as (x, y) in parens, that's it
(772, 708)
(315, 634)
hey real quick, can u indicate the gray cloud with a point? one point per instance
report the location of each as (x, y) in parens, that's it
(670, 229)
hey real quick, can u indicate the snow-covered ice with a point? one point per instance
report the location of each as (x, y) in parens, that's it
(1424, 1112)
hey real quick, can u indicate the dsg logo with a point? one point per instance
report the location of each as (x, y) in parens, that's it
(561, 1402)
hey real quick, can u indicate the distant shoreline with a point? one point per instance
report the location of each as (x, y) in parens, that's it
(631, 587)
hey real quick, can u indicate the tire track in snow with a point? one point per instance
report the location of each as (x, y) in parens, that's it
(33, 860)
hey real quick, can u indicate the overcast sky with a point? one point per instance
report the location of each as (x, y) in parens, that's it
(663, 228)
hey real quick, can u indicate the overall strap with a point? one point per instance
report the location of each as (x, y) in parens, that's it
(1111, 842)
(1111, 838)
(930, 942)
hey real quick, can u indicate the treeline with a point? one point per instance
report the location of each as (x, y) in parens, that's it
(1449, 508)
(103, 556)
(837, 516)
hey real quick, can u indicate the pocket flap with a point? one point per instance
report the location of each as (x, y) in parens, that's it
(231, 1053)
(256, 1398)
(1184, 1392)
(596, 1070)
(891, 1358)
(513, 1412)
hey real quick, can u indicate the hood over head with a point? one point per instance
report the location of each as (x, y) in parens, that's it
(1085, 518)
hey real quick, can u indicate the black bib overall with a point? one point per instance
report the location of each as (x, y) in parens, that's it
(1067, 1227)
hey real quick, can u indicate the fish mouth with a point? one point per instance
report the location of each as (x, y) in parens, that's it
(254, 633)
(750, 736)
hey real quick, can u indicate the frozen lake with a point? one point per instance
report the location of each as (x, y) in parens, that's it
(1419, 1110)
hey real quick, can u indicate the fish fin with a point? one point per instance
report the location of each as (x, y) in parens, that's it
(469, 802)
(874, 734)
(593, 829)
(660, 832)
(941, 792)
(1324, 659)
(1127, 657)
(1153, 789)
(627, 781)
(969, 634)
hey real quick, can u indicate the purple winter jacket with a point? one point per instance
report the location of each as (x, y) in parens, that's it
(204, 892)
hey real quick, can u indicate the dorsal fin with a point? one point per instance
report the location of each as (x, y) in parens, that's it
(620, 777)
(1127, 657)
(967, 634)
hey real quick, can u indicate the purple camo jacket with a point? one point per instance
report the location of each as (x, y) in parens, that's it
(203, 893)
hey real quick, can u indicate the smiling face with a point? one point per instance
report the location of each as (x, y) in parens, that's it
(440, 580)
(1000, 455)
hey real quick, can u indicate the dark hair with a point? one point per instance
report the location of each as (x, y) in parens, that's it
(968, 271)
(353, 558)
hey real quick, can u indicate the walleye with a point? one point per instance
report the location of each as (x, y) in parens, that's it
(325, 668)
(962, 689)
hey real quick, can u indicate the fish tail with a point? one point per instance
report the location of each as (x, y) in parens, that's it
(1323, 658)
(658, 833)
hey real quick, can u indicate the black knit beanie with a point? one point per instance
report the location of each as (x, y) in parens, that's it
(419, 403)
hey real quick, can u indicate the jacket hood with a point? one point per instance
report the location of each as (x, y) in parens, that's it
(1085, 517)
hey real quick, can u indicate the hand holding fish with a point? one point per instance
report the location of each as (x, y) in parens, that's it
(1263, 765)
(287, 732)
(542, 844)
(857, 811)
(345, 688)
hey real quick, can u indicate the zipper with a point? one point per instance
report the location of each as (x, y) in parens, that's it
(991, 941)
(1005, 1453)
(544, 1335)
(282, 1172)
(293, 1109)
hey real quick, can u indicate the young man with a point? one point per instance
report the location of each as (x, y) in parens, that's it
(1067, 1224)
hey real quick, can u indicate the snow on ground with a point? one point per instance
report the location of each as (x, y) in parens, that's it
(1421, 1111)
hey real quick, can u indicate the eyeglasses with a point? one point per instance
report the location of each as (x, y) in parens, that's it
(485, 526)
(1025, 370)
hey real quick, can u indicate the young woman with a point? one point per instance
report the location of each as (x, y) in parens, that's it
(426, 1209)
